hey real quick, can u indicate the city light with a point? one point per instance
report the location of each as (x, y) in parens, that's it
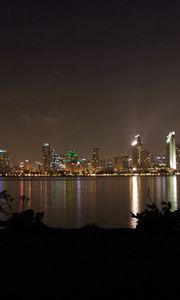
(134, 143)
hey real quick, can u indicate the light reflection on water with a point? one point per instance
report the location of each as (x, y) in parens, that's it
(172, 193)
(135, 196)
(73, 202)
(160, 189)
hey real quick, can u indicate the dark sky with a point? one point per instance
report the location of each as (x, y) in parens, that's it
(80, 74)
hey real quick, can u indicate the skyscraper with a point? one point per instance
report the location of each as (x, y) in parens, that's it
(146, 160)
(47, 157)
(136, 152)
(73, 163)
(4, 161)
(171, 150)
(96, 159)
(58, 162)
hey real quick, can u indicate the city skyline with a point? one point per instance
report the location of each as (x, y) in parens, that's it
(84, 74)
(66, 146)
(138, 141)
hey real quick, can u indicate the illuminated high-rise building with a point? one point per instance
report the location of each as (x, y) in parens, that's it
(58, 162)
(73, 162)
(4, 161)
(96, 159)
(47, 157)
(136, 152)
(146, 160)
(171, 150)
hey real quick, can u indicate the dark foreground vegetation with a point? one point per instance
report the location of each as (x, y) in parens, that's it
(39, 262)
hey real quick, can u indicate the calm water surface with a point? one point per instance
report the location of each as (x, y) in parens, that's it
(107, 201)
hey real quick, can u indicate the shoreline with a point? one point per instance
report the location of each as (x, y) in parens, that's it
(84, 176)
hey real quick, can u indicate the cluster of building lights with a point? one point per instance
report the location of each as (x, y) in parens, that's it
(140, 162)
(143, 161)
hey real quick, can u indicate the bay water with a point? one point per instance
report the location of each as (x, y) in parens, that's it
(73, 202)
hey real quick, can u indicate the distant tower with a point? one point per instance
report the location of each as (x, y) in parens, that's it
(171, 150)
(96, 159)
(47, 157)
(136, 152)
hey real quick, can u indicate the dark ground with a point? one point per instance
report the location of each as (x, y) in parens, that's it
(91, 264)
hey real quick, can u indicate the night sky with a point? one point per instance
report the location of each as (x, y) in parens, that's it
(82, 74)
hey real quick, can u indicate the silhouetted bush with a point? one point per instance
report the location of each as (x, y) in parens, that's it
(154, 219)
(23, 223)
